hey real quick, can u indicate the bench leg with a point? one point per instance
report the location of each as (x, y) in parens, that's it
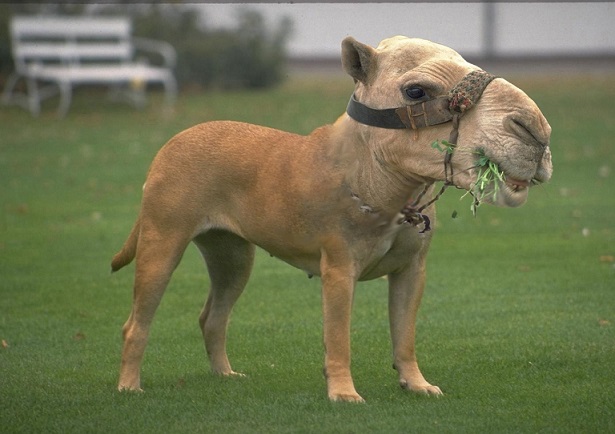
(170, 93)
(7, 94)
(136, 95)
(65, 98)
(30, 101)
(34, 99)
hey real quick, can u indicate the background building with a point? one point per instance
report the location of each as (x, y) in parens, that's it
(474, 29)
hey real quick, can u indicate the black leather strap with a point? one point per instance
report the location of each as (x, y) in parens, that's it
(422, 114)
(386, 118)
(425, 114)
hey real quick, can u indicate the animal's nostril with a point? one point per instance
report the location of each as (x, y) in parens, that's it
(527, 131)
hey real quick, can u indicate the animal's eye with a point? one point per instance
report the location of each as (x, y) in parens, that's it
(415, 92)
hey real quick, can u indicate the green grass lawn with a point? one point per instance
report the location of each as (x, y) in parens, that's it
(517, 325)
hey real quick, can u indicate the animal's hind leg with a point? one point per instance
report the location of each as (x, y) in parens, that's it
(156, 260)
(229, 260)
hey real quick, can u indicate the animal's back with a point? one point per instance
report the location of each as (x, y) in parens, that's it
(245, 179)
(235, 152)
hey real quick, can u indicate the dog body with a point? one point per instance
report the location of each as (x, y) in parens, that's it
(327, 203)
(248, 185)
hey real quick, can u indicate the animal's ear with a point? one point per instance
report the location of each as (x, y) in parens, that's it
(358, 60)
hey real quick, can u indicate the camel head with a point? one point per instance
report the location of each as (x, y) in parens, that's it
(411, 95)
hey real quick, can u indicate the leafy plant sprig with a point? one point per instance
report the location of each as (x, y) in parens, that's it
(488, 173)
(443, 146)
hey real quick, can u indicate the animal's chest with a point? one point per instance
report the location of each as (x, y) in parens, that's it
(300, 228)
(375, 253)
(391, 252)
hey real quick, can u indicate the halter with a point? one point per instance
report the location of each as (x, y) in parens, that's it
(434, 111)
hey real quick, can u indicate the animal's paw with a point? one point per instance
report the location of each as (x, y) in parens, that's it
(346, 397)
(340, 388)
(231, 374)
(423, 388)
(129, 389)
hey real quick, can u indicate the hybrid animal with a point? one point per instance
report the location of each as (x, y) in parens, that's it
(345, 202)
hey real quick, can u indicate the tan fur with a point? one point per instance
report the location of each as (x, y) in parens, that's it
(327, 203)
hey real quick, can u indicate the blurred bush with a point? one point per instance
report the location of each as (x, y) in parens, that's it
(251, 54)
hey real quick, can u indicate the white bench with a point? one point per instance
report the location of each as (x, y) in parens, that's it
(62, 52)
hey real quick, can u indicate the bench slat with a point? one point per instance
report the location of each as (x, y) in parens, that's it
(94, 27)
(122, 50)
(104, 73)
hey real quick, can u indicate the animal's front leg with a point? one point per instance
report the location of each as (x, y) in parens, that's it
(405, 293)
(338, 283)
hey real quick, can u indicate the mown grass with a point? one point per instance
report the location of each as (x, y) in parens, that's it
(517, 325)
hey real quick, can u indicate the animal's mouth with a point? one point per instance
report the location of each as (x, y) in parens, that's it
(516, 185)
(507, 190)
(513, 192)
(503, 185)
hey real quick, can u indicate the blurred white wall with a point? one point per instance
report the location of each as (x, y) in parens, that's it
(516, 28)
(555, 28)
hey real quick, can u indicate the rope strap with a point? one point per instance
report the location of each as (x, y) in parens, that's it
(468, 91)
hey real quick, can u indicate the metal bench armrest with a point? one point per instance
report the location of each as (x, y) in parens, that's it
(164, 49)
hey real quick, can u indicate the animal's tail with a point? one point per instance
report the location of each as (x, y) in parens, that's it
(129, 250)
